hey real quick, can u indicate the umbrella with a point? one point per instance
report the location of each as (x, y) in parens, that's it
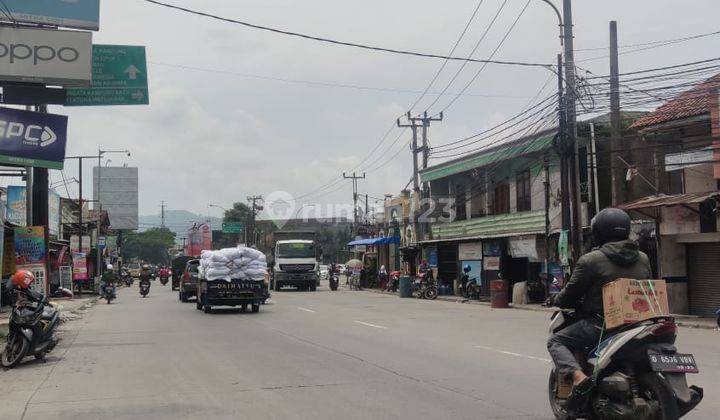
(354, 264)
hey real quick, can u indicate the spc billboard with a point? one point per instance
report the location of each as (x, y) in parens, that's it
(118, 195)
(80, 14)
(45, 56)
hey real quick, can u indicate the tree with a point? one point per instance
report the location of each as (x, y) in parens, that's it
(151, 246)
(240, 212)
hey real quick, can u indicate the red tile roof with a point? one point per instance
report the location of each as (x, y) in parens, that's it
(694, 102)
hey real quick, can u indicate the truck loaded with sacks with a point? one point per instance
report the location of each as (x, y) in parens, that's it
(232, 277)
(295, 261)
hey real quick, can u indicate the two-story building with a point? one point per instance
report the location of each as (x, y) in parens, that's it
(681, 141)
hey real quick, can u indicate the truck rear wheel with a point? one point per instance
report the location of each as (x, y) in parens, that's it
(276, 286)
(207, 309)
(198, 304)
(183, 297)
(255, 308)
(313, 288)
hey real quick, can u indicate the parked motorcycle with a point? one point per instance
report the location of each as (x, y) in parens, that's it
(638, 372)
(144, 288)
(393, 282)
(31, 332)
(471, 288)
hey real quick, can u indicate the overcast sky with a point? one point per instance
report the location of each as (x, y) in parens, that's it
(216, 137)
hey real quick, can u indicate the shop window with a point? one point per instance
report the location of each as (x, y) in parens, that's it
(502, 198)
(523, 190)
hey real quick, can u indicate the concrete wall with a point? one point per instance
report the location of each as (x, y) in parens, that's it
(672, 257)
(678, 298)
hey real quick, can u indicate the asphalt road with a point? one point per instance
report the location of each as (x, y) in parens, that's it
(309, 355)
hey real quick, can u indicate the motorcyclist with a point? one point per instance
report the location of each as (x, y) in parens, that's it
(616, 256)
(109, 280)
(145, 275)
(465, 279)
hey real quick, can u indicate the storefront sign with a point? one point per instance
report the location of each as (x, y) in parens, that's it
(32, 138)
(80, 271)
(470, 251)
(492, 263)
(80, 14)
(49, 57)
(16, 205)
(523, 247)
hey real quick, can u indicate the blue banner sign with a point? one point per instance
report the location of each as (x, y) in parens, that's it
(80, 14)
(32, 138)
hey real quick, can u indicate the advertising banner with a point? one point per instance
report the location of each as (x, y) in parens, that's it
(199, 238)
(80, 271)
(49, 57)
(118, 195)
(85, 244)
(30, 246)
(32, 138)
(16, 205)
(492, 263)
(80, 14)
(8, 257)
(74, 244)
(53, 213)
(523, 247)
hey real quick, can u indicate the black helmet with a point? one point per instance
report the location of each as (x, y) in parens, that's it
(610, 225)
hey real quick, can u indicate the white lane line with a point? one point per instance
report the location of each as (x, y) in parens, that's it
(509, 353)
(306, 310)
(367, 324)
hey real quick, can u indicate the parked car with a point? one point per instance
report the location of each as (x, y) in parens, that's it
(189, 280)
(178, 269)
(324, 272)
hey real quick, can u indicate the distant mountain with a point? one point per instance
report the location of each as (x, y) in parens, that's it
(178, 221)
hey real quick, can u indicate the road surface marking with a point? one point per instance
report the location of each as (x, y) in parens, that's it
(367, 324)
(509, 353)
(306, 309)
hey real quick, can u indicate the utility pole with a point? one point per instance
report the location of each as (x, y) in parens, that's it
(547, 212)
(571, 120)
(162, 214)
(616, 169)
(563, 151)
(39, 210)
(355, 178)
(254, 209)
(414, 127)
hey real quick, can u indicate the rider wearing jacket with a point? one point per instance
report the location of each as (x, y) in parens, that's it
(616, 257)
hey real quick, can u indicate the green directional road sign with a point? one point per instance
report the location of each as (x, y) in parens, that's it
(119, 78)
(232, 227)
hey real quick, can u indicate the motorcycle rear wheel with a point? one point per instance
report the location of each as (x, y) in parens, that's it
(653, 388)
(431, 293)
(14, 352)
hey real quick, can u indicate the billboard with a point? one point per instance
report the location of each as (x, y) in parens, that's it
(17, 205)
(118, 195)
(199, 238)
(80, 14)
(32, 138)
(45, 56)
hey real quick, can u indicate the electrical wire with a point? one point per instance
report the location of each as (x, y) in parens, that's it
(338, 42)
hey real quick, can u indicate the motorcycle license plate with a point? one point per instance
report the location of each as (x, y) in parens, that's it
(675, 363)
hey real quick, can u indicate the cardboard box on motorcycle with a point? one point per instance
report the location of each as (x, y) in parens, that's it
(627, 301)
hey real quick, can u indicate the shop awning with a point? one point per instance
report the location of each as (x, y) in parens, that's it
(376, 241)
(662, 200)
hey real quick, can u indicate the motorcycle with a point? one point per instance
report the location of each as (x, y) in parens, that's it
(638, 374)
(425, 286)
(394, 282)
(470, 287)
(334, 281)
(144, 288)
(108, 293)
(31, 333)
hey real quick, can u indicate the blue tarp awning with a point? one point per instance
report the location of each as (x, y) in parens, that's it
(376, 241)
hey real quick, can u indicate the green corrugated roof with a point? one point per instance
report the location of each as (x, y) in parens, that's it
(481, 159)
(492, 226)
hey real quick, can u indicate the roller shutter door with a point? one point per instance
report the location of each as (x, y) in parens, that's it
(704, 278)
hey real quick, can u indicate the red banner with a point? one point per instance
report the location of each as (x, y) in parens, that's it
(199, 238)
